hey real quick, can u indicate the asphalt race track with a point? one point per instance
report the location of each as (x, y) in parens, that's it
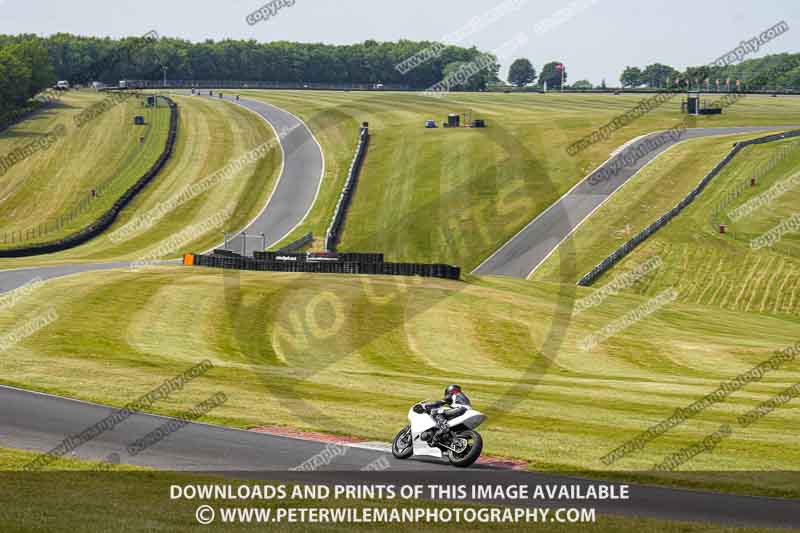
(39, 422)
(11, 279)
(529, 248)
(292, 198)
(298, 184)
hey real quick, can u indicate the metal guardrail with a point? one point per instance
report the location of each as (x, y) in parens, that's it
(335, 229)
(643, 235)
(305, 240)
(245, 84)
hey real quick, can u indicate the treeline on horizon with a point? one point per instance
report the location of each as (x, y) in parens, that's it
(772, 72)
(76, 59)
(30, 64)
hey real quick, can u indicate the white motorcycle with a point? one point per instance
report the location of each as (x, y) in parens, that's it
(461, 445)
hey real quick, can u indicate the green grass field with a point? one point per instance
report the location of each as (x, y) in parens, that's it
(52, 183)
(211, 135)
(708, 268)
(286, 345)
(455, 196)
(74, 501)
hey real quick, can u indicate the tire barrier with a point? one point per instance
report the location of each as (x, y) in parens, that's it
(225, 253)
(639, 238)
(332, 237)
(351, 257)
(351, 263)
(109, 217)
(305, 240)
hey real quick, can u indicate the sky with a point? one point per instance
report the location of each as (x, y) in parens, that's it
(596, 39)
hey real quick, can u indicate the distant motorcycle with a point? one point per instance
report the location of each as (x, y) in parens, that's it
(460, 444)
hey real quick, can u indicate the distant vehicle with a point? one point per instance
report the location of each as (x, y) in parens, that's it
(97, 85)
(430, 123)
(379, 86)
(62, 85)
(123, 84)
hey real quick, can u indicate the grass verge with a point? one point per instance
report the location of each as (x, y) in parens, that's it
(285, 346)
(456, 195)
(211, 135)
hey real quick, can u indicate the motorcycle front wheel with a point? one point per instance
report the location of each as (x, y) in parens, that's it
(402, 447)
(470, 444)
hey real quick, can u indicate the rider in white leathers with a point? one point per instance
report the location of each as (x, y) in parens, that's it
(455, 403)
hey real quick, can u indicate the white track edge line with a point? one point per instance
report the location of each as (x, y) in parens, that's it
(615, 191)
(614, 153)
(580, 181)
(283, 167)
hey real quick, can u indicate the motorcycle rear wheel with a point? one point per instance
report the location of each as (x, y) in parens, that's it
(408, 450)
(472, 451)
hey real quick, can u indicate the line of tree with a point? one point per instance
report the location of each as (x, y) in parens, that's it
(582, 84)
(777, 71)
(73, 56)
(653, 76)
(522, 73)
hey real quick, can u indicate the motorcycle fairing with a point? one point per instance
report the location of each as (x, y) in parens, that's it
(421, 422)
(470, 419)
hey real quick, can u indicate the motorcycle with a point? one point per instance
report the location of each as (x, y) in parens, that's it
(461, 444)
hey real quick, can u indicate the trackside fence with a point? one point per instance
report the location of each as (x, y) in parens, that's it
(328, 263)
(335, 229)
(254, 84)
(107, 219)
(642, 236)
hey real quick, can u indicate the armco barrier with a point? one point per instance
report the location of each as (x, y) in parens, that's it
(328, 267)
(332, 237)
(305, 240)
(107, 219)
(639, 238)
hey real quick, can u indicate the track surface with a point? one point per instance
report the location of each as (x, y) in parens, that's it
(292, 198)
(529, 248)
(40, 422)
(11, 279)
(298, 184)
